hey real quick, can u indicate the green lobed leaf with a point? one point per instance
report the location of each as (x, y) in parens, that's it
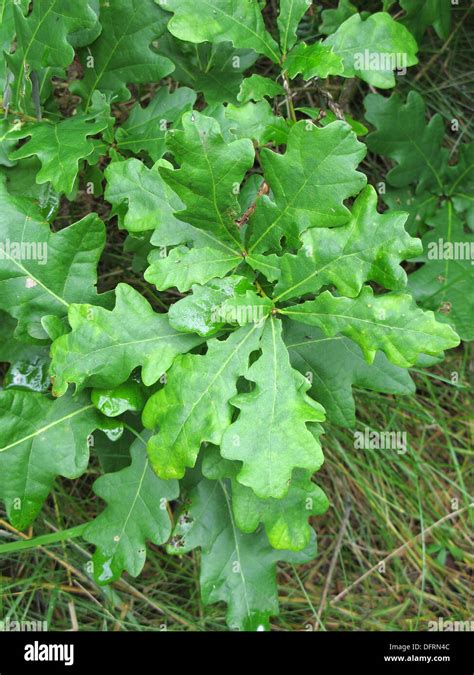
(51, 271)
(184, 267)
(33, 424)
(187, 416)
(215, 70)
(136, 512)
(256, 121)
(309, 184)
(369, 247)
(140, 197)
(236, 568)
(61, 145)
(256, 88)
(231, 300)
(145, 128)
(373, 48)
(334, 365)
(104, 346)
(270, 437)
(403, 135)
(210, 196)
(286, 519)
(44, 37)
(222, 21)
(122, 53)
(391, 322)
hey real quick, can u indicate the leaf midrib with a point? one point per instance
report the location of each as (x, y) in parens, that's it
(354, 318)
(46, 428)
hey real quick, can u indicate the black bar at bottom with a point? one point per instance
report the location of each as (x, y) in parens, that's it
(83, 652)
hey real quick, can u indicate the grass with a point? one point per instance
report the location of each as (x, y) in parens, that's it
(410, 510)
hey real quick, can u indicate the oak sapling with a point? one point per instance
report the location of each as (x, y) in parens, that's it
(259, 279)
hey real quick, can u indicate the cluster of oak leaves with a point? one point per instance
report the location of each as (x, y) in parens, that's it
(269, 232)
